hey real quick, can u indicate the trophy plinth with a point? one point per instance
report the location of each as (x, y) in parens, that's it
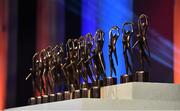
(101, 82)
(67, 95)
(141, 76)
(126, 78)
(95, 92)
(44, 98)
(98, 83)
(84, 93)
(95, 89)
(52, 97)
(38, 100)
(59, 96)
(110, 81)
(76, 94)
(32, 101)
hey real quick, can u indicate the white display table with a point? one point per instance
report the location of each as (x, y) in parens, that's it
(129, 96)
(142, 91)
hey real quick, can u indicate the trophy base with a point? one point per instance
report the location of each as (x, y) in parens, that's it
(110, 81)
(76, 94)
(67, 95)
(59, 96)
(44, 98)
(126, 78)
(98, 83)
(84, 93)
(101, 83)
(52, 97)
(32, 101)
(38, 100)
(141, 76)
(95, 92)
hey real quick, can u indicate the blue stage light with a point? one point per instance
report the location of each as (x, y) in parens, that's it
(105, 14)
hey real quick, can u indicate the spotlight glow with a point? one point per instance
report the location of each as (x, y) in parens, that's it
(104, 15)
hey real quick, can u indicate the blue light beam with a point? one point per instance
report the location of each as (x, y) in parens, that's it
(105, 14)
